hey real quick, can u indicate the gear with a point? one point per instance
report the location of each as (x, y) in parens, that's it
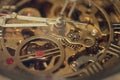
(71, 45)
(93, 49)
(40, 53)
(74, 35)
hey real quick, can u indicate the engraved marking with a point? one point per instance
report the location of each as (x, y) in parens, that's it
(95, 68)
(116, 28)
(114, 49)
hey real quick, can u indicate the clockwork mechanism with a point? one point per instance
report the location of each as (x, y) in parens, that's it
(40, 53)
(52, 39)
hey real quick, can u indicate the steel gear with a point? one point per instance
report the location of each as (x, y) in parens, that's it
(39, 51)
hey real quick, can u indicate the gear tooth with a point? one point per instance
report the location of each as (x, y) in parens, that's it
(70, 45)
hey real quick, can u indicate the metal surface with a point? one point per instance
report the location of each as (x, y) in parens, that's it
(52, 39)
